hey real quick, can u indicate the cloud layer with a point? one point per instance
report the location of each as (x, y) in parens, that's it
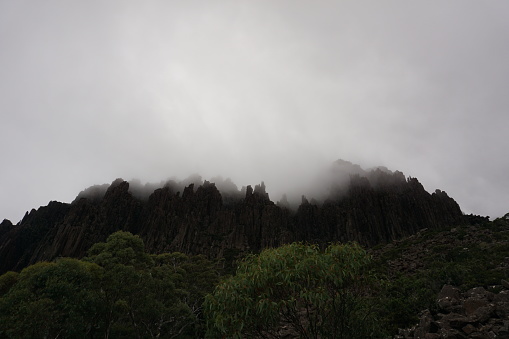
(265, 90)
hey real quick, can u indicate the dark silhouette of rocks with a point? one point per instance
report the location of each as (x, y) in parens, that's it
(373, 207)
(5, 227)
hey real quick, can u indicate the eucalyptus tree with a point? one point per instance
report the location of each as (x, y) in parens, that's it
(296, 290)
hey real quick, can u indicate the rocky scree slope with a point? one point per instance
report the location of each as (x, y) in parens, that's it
(476, 313)
(449, 283)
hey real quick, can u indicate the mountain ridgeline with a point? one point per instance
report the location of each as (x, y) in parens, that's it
(217, 220)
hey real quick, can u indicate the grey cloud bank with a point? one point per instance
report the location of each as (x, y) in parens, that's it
(268, 90)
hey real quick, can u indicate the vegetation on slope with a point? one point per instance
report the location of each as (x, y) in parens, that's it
(121, 291)
(417, 267)
(300, 291)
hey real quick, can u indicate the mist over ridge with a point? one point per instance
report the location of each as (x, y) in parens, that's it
(197, 216)
(330, 182)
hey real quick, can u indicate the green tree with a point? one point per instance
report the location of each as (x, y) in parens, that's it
(7, 280)
(134, 299)
(311, 293)
(52, 300)
(121, 248)
(119, 291)
(150, 296)
(193, 277)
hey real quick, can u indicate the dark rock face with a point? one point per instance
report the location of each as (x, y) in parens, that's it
(378, 206)
(476, 313)
(5, 227)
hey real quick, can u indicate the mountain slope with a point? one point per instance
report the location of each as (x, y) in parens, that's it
(422, 269)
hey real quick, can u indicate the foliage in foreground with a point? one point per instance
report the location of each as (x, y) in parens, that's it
(311, 293)
(119, 291)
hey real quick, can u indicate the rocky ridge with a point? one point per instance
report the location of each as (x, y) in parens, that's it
(369, 207)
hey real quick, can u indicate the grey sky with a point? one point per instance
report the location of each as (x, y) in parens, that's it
(252, 90)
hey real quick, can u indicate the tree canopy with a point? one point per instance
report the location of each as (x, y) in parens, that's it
(296, 289)
(118, 291)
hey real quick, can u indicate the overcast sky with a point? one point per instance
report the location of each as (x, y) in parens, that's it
(252, 90)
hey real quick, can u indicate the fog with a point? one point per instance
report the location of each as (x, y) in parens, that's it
(331, 182)
(254, 91)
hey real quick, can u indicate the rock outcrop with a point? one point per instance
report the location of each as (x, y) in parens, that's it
(477, 313)
(373, 207)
